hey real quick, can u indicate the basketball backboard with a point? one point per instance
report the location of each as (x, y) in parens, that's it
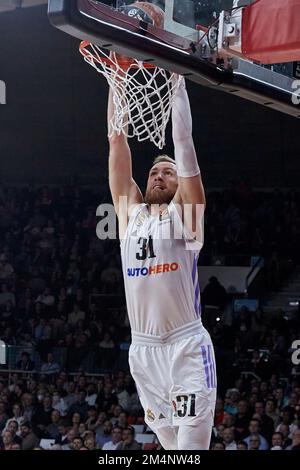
(193, 40)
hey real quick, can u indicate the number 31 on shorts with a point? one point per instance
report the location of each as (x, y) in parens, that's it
(184, 405)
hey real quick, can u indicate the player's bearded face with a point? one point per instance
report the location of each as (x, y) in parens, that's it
(162, 184)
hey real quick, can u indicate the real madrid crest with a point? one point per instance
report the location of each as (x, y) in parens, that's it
(150, 415)
(140, 219)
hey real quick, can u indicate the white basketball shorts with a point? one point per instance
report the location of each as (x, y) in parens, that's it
(176, 381)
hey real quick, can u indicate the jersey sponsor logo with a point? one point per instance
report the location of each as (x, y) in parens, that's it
(156, 269)
(150, 415)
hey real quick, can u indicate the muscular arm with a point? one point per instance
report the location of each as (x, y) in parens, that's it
(121, 182)
(189, 178)
(190, 188)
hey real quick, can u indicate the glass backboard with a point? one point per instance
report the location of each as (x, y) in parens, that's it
(188, 41)
(182, 17)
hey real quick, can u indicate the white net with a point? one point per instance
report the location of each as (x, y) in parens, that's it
(142, 95)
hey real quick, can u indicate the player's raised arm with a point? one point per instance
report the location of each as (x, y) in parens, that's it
(190, 188)
(190, 185)
(121, 182)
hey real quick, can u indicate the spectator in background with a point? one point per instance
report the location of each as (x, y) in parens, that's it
(59, 402)
(89, 441)
(46, 298)
(106, 398)
(277, 441)
(52, 428)
(295, 445)
(272, 412)
(218, 445)
(91, 422)
(6, 441)
(29, 439)
(75, 419)
(254, 430)
(116, 438)
(266, 423)
(76, 444)
(231, 401)
(28, 407)
(25, 363)
(241, 445)
(122, 394)
(220, 431)
(287, 418)
(280, 399)
(50, 367)
(106, 435)
(77, 351)
(214, 294)
(91, 394)
(62, 432)
(128, 442)
(75, 315)
(71, 434)
(71, 396)
(42, 416)
(228, 438)
(99, 426)
(254, 442)
(17, 415)
(13, 427)
(80, 406)
(242, 419)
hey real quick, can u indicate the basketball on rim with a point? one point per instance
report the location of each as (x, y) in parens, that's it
(153, 11)
(152, 14)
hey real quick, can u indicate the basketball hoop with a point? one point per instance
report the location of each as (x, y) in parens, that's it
(142, 93)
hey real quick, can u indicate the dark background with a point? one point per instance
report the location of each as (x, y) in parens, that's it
(54, 126)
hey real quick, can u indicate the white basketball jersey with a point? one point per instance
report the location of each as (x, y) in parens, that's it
(160, 272)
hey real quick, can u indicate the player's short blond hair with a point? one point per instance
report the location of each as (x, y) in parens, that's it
(163, 158)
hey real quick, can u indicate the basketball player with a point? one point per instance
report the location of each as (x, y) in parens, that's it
(171, 356)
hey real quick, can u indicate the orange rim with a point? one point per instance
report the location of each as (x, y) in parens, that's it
(124, 64)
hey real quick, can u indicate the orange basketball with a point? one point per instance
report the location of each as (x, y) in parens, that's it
(156, 13)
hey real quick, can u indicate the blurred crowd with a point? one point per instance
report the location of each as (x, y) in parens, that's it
(258, 415)
(54, 272)
(261, 223)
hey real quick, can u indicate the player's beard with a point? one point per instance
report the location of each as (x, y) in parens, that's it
(159, 196)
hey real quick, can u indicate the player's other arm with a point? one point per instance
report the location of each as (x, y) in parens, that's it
(190, 187)
(121, 182)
